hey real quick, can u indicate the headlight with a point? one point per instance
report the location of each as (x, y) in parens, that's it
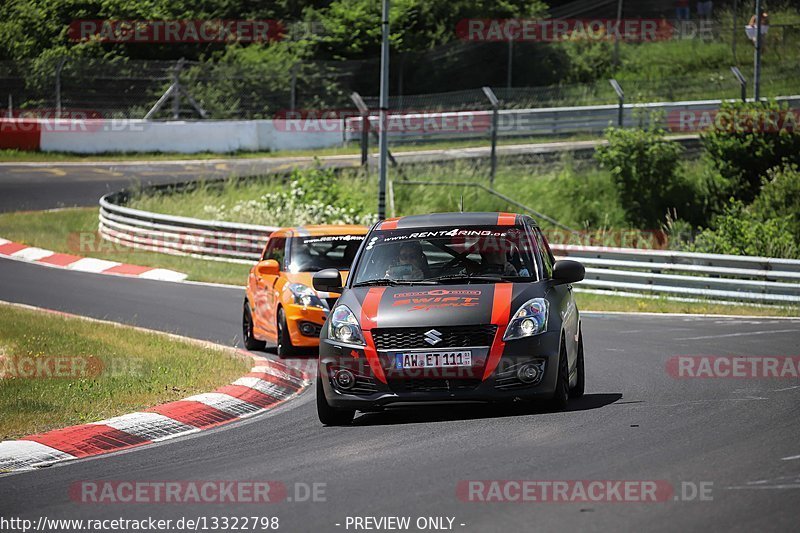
(530, 320)
(305, 295)
(343, 327)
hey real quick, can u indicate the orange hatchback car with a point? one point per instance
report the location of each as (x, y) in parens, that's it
(280, 305)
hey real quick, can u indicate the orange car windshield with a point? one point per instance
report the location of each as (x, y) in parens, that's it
(311, 254)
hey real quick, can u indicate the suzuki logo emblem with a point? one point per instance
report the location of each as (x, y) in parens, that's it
(433, 337)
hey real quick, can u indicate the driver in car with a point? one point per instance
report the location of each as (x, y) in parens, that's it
(411, 263)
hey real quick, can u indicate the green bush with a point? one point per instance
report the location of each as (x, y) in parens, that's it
(744, 144)
(643, 166)
(780, 198)
(738, 231)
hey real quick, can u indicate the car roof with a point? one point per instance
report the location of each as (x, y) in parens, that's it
(437, 220)
(325, 229)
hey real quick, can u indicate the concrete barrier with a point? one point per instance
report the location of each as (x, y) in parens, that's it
(94, 136)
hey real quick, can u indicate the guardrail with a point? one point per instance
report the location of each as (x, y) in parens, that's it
(678, 117)
(676, 274)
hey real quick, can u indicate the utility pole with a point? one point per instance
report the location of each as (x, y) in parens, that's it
(510, 74)
(383, 140)
(618, 34)
(757, 69)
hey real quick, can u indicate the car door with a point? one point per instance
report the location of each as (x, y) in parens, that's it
(266, 300)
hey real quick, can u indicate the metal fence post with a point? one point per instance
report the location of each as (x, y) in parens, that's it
(59, 68)
(293, 88)
(176, 91)
(364, 111)
(742, 82)
(621, 96)
(495, 112)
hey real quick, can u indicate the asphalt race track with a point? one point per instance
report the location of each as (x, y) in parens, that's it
(636, 422)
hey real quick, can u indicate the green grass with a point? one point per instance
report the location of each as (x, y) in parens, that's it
(575, 193)
(138, 370)
(61, 231)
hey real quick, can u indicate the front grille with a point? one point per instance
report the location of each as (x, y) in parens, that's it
(452, 337)
(433, 385)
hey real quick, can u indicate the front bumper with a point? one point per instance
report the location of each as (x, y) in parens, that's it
(455, 385)
(296, 315)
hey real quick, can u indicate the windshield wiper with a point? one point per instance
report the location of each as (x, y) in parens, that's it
(392, 282)
(468, 277)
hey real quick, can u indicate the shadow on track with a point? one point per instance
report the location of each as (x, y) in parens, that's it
(445, 413)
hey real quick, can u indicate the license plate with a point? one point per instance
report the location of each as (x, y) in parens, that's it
(432, 359)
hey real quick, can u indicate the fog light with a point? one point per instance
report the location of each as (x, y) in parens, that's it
(528, 373)
(307, 328)
(344, 379)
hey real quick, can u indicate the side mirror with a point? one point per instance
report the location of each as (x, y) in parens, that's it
(567, 271)
(269, 267)
(328, 280)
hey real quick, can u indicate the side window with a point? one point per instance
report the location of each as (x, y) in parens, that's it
(547, 256)
(276, 249)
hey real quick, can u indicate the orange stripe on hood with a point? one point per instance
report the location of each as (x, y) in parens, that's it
(369, 320)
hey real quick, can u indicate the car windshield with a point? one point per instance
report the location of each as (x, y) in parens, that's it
(311, 254)
(470, 254)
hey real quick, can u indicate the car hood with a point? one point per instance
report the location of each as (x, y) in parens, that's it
(439, 305)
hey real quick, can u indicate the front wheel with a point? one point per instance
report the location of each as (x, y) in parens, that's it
(285, 347)
(561, 395)
(250, 342)
(580, 378)
(329, 415)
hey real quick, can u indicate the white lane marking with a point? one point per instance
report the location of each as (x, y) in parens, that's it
(26, 454)
(151, 426)
(32, 254)
(741, 334)
(88, 264)
(163, 274)
(787, 486)
(790, 458)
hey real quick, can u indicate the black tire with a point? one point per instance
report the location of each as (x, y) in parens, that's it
(327, 414)
(561, 394)
(285, 347)
(580, 378)
(250, 342)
